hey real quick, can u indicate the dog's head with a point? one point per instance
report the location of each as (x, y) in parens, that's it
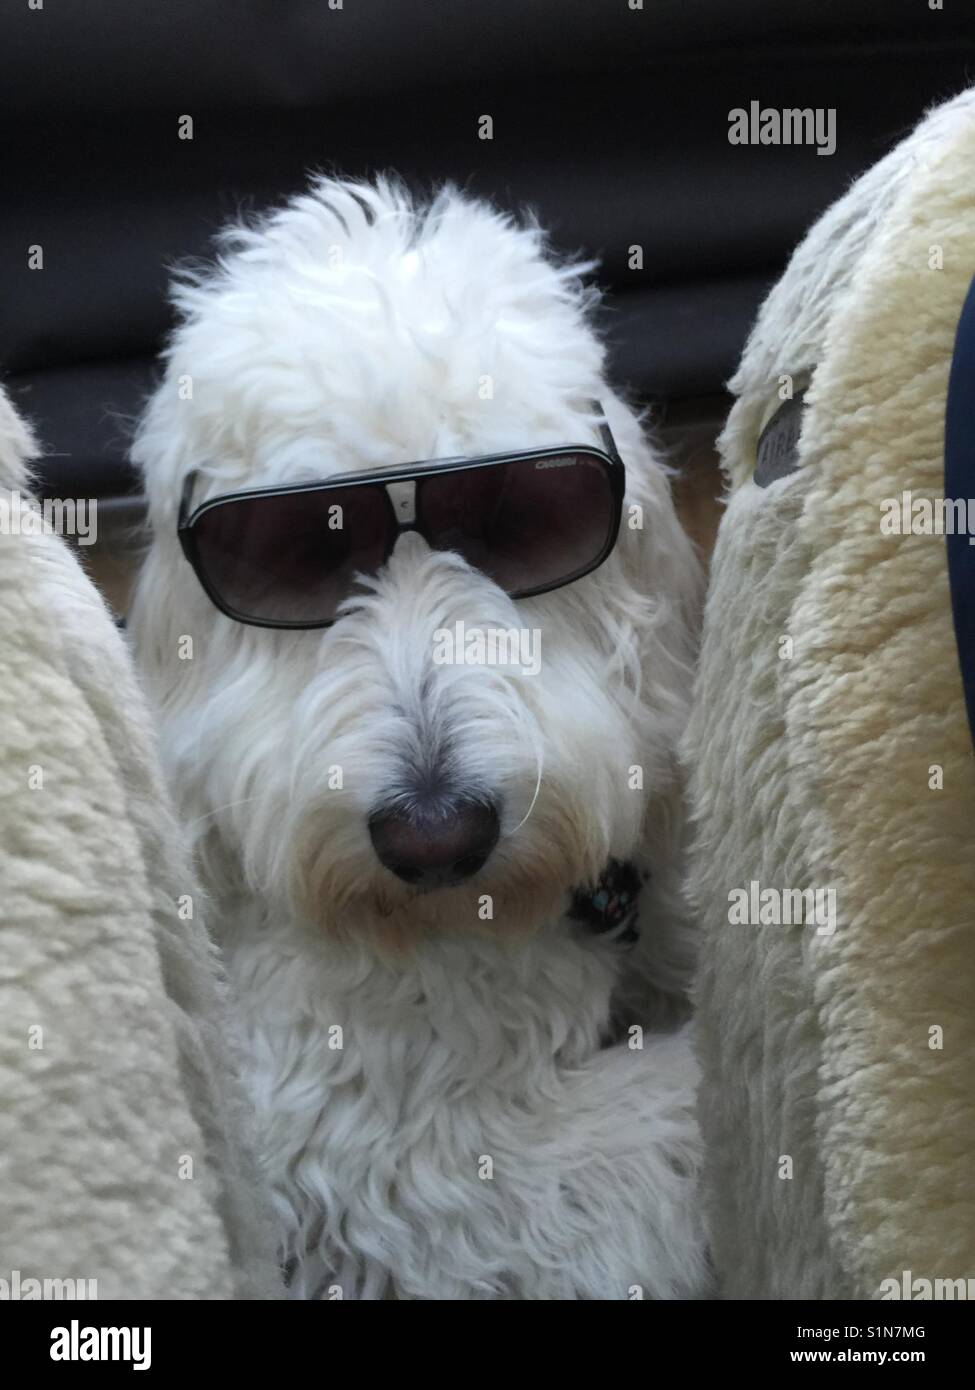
(402, 768)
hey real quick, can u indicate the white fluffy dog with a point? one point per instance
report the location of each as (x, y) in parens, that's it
(463, 1090)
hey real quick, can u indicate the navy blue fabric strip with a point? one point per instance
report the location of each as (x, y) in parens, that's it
(960, 483)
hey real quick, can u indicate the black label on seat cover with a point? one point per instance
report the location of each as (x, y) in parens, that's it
(778, 444)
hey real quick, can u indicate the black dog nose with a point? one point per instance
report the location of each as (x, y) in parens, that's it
(437, 841)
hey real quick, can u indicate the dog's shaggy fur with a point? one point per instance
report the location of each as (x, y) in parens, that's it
(451, 1107)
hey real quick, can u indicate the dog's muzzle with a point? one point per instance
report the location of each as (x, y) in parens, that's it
(435, 841)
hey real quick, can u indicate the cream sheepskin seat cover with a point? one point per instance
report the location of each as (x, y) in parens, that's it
(829, 749)
(123, 1154)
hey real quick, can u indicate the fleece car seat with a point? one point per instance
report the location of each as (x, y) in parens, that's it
(831, 757)
(125, 1159)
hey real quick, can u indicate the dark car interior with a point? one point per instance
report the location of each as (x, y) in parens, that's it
(608, 121)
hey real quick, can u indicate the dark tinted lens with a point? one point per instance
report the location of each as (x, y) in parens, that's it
(293, 558)
(529, 523)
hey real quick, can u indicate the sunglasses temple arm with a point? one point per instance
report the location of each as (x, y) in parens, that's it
(605, 433)
(186, 498)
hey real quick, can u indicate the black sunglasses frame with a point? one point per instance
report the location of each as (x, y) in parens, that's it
(408, 472)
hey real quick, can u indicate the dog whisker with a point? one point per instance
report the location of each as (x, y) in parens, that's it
(219, 809)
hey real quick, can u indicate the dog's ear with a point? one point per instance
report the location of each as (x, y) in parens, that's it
(656, 590)
(163, 454)
(655, 597)
(658, 556)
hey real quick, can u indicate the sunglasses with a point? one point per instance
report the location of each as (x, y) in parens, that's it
(289, 556)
